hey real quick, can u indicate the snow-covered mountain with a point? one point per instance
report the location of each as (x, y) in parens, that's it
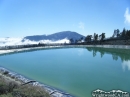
(61, 37)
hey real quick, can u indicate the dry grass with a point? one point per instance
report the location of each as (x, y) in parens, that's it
(30, 91)
(13, 89)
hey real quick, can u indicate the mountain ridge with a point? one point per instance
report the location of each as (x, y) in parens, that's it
(56, 36)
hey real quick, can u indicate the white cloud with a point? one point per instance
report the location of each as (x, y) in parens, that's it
(81, 25)
(18, 41)
(10, 41)
(126, 64)
(80, 52)
(127, 16)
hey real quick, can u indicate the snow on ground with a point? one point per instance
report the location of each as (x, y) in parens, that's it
(18, 41)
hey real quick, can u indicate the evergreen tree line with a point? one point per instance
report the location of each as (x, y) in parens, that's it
(125, 34)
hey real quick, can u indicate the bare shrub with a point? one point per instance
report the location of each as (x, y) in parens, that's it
(10, 88)
(6, 72)
(30, 91)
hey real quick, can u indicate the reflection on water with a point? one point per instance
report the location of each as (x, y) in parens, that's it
(125, 65)
(123, 54)
(78, 71)
(80, 52)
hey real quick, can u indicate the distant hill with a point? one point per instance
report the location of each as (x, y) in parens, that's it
(56, 36)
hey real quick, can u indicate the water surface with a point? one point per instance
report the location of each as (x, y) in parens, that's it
(77, 71)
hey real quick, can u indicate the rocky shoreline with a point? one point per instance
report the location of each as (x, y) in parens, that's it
(21, 79)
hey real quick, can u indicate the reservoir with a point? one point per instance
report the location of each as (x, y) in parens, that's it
(78, 71)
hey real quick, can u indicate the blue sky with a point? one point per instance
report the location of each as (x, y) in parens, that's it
(19, 18)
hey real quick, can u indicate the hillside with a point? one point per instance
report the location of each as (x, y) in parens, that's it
(56, 36)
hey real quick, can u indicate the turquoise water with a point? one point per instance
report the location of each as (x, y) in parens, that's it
(78, 71)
